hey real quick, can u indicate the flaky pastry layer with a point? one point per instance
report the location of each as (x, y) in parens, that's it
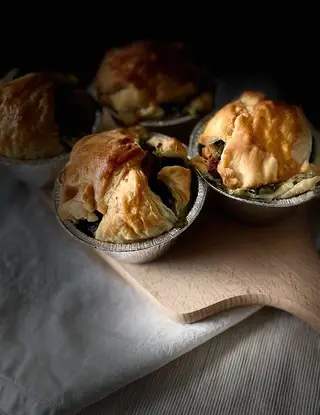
(266, 142)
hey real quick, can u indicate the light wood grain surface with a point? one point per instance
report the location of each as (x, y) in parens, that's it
(220, 263)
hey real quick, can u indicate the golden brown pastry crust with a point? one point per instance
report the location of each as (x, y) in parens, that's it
(168, 147)
(27, 120)
(145, 73)
(105, 174)
(134, 212)
(97, 165)
(266, 141)
(178, 180)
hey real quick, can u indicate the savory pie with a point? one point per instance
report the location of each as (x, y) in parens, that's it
(148, 80)
(38, 111)
(118, 187)
(259, 148)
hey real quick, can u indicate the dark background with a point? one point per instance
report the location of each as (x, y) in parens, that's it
(253, 49)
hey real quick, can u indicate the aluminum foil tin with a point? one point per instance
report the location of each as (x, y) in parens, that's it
(251, 211)
(156, 123)
(178, 127)
(138, 252)
(165, 123)
(37, 173)
(42, 173)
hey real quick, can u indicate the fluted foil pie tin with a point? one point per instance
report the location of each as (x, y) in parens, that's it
(252, 211)
(174, 127)
(179, 127)
(158, 123)
(38, 173)
(168, 122)
(42, 173)
(137, 252)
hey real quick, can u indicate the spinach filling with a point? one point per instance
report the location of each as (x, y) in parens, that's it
(173, 109)
(89, 228)
(179, 109)
(219, 145)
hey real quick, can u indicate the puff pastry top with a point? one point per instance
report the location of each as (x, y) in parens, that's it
(178, 179)
(168, 148)
(105, 175)
(266, 142)
(145, 73)
(28, 116)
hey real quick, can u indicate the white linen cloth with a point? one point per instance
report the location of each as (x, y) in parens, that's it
(71, 331)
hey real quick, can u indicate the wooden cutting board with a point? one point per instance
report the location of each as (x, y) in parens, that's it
(219, 264)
